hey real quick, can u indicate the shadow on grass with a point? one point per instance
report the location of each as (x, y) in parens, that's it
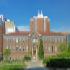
(58, 63)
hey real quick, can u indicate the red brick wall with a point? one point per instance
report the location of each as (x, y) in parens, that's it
(47, 26)
(40, 25)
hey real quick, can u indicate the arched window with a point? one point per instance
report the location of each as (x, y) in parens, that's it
(55, 48)
(16, 40)
(52, 49)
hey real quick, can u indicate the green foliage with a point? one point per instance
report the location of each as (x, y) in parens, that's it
(68, 47)
(6, 53)
(46, 60)
(27, 58)
(41, 50)
(64, 54)
(62, 47)
(64, 51)
(12, 66)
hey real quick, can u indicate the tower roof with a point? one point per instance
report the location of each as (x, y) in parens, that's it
(40, 14)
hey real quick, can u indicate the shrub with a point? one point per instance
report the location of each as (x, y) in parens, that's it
(59, 63)
(46, 60)
(27, 58)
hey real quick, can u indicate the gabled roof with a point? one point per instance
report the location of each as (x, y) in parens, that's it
(54, 34)
(18, 33)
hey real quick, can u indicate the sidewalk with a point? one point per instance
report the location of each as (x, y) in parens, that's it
(34, 64)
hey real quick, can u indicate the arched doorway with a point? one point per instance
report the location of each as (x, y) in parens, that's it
(34, 52)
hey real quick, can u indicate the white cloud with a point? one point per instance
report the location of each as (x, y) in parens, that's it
(23, 28)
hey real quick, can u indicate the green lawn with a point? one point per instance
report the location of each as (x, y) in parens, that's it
(12, 66)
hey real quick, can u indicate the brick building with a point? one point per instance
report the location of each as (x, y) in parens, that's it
(22, 43)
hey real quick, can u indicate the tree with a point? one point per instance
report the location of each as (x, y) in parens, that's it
(68, 45)
(62, 47)
(6, 54)
(64, 50)
(41, 50)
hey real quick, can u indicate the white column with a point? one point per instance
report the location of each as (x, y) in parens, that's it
(44, 24)
(35, 24)
(55, 48)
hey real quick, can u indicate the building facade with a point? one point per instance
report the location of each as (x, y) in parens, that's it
(23, 43)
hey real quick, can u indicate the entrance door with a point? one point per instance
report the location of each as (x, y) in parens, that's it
(34, 52)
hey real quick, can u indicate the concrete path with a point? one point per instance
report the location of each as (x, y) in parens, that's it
(35, 65)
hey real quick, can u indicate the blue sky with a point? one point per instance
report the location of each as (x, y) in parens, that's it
(21, 11)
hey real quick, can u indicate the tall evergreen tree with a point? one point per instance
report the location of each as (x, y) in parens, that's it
(41, 50)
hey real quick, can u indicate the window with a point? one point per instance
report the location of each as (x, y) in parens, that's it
(49, 49)
(52, 39)
(23, 48)
(55, 39)
(45, 48)
(13, 39)
(20, 48)
(59, 39)
(16, 40)
(27, 48)
(62, 40)
(16, 48)
(52, 49)
(7, 47)
(55, 48)
(20, 39)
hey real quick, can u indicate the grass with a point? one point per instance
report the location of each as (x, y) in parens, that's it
(12, 66)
